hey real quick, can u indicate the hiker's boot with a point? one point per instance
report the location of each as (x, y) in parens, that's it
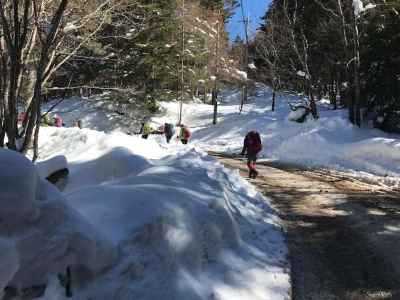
(251, 173)
(255, 174)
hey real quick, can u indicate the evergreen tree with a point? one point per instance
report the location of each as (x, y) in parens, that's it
(330, 49)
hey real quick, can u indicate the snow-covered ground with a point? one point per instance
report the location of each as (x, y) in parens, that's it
(138, 219)
(331, 141)
(143, 219)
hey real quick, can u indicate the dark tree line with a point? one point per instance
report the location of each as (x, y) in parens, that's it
(342, 49)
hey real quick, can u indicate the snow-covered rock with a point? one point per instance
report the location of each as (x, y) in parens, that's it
(298, 114)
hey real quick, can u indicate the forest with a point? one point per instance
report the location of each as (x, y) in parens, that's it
(143, 51)
(341, 49)
(148, 51)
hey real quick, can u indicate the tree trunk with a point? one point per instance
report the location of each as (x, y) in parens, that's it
(215, 103)
(243, 99)
(313, 106)
(357, 100)
(273, 100)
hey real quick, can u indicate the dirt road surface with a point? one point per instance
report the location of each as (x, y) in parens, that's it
(343, 235)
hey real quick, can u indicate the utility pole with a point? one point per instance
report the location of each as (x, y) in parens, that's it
(356, 68)
(182, 63)
(215, 90)
(245, 21)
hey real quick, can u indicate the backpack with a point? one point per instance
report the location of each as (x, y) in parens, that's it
(147, 129)
(254, 142)
(186, 133)
(169, 130)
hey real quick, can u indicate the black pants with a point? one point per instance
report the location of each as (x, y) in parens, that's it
(145, 136)
(168, 137)
(184, 141)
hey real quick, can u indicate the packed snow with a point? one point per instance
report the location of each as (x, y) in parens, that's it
(138, 219)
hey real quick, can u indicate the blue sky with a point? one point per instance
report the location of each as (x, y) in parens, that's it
(254, 9)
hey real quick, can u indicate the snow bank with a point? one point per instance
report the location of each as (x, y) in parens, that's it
(18, 202)
(39, 233)
(185, 227)
(52, 165)
(79, 145)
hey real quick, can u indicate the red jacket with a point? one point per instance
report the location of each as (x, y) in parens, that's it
(252, 143)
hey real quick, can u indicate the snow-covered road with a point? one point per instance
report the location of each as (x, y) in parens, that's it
(331, 141)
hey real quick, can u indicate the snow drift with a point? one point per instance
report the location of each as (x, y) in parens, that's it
(184, 226)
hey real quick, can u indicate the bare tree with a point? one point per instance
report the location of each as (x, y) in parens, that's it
(267, 48)
(300, 45)
(38, 38)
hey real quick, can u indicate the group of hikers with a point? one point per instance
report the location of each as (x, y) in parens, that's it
(47, 120)
(56, 120)
(50, 120)
(252, 145)
(168, 130)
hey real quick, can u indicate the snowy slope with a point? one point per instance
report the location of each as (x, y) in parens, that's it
(184, 226)
(330, 142)
(98, 112)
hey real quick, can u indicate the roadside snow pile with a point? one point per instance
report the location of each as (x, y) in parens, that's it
(184, 226)
(79, 145)
(331, 141)
(40, 234)
(56, 163)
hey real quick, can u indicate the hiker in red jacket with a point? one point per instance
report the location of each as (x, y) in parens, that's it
(184, 134)
(252, 145)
